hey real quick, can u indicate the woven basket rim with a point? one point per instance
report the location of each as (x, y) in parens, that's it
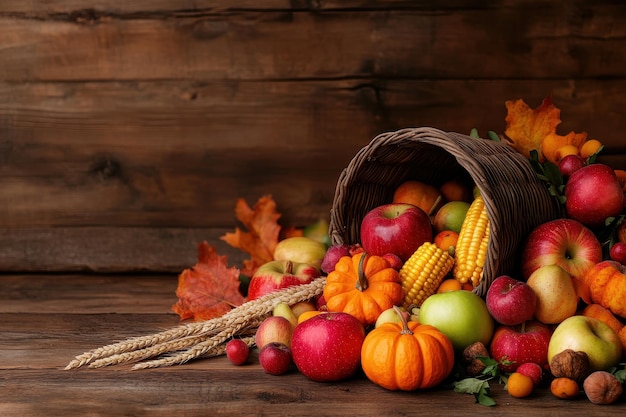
(515, 199)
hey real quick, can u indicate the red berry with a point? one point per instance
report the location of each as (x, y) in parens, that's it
(532, 370)
(237, 351)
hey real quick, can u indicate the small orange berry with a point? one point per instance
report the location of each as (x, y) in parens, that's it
(449, 284)
(468, 286)
(590, 147)
(519, 385)
(564, 388)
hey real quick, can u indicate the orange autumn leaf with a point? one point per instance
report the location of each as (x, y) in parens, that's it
(261, 235)
(208, 289)
(526, 128)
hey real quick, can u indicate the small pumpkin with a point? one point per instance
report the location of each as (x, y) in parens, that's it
(364, 286)
(607, 285)
(407, 355)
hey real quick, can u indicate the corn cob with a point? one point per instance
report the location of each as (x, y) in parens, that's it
(471, 247)
(422, 273)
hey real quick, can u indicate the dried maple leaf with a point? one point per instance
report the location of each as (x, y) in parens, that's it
(526, 128)
(208, 289)
(262, 234)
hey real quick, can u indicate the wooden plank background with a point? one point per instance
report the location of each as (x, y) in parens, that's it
(129, 129)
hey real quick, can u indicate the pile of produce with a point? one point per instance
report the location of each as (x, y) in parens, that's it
(401, 305)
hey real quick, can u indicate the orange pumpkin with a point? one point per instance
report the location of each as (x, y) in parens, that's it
(406, 356)
(604, 315)
(607, 286)
(363, 286)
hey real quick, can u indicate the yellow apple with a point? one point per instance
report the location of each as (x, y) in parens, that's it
(300, 249)
(556, 295)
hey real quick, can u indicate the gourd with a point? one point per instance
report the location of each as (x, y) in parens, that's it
(607, 286)
(407, 355)
(364, 286)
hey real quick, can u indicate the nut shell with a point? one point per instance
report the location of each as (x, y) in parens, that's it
(570, 364)
(602, 387)
(474, 366)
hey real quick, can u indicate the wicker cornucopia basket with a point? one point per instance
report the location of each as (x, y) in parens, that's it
(516, 200)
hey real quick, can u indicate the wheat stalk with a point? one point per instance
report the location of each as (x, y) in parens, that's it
(197, 334)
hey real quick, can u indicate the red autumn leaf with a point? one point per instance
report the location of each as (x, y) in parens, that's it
(208, 289)
(526, 128)
(261, 235)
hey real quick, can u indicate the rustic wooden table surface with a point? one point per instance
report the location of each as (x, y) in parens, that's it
(46, 320)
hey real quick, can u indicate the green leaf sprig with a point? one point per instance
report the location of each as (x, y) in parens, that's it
(479, 386)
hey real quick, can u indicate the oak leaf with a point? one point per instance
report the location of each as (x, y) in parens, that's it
(526, 128)
(261, 235)
(209, 288)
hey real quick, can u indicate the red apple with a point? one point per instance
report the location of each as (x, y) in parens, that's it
(395, 228)
(327, 347)
(394, 261)
(617, 252)
(563, 242)
(274, 329)
(510, 301)
(275, 358)
(275, 275)
(570, 164)
(332, 256)
(593, 194)
(527, 342)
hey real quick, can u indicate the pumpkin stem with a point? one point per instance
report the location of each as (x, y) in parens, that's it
(288, 267)
(362, 283)
(405, 325)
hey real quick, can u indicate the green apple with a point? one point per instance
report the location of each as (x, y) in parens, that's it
(450, 216)
(589, 335)
(556, 295)
(300, 249)
(461, 315)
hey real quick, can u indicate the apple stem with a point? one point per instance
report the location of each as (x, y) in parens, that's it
(405, 325)
(362, 283)
(288, 267)
(523, 327)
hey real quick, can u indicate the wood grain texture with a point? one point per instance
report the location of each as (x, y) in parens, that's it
(161, 113)
(46, 320)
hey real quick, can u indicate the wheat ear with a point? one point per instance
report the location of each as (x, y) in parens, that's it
(246, 312)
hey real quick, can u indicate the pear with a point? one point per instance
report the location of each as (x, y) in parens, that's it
(556, 295)
(284, 310)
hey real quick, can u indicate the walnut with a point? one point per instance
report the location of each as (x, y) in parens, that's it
(474, 366)
(602, 387)
(570, 364)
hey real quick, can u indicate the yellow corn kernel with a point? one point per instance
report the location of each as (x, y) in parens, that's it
(422, 273)
(471, 247)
